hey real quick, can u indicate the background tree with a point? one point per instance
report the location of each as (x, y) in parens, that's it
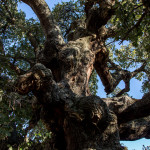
(51, 69)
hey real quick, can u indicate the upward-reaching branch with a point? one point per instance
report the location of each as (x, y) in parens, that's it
(137, 110)
(128, 109)
(47, 21)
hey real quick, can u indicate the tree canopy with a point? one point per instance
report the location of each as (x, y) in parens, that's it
(55, 40)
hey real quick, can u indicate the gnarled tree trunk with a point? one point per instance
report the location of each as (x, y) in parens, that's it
(59, 80)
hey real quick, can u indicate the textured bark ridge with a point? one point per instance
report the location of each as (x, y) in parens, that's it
(59, 81)
(77, 122)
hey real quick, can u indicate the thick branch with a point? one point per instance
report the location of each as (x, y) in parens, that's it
(97, 17)
(128, 109)
(124, 75)
(136, 129)
(126, 89)
(33, 41)
(137, 110)
(111, 80)
(114, 66)
(47, 21)
(34, 80)
(103, 4)
(92, 115)
(103, 70)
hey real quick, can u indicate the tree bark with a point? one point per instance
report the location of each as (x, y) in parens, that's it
(78, 120)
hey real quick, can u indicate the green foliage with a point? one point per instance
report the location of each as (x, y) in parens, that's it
(36, 136)
(15, 50)
(133, 31)
(39, 135)
(67, 12)
(13, 110)
(93, 83)
(14, 37)
(131, 58)
(146, 85)
(127, 15)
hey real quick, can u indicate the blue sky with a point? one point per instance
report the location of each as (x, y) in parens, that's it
(135, 85)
